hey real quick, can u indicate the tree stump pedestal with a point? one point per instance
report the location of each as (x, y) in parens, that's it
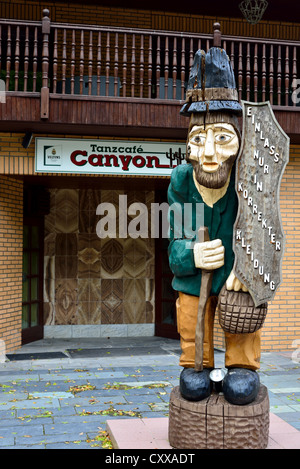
(214, 423)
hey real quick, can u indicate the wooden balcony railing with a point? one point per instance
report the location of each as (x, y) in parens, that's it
(96, 61)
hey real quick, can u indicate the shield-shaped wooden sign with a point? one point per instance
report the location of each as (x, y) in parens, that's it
(258, 240)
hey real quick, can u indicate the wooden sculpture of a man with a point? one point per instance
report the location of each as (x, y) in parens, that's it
(208, 178)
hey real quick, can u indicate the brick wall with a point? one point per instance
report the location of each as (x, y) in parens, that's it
(11, 241)
(282, 326)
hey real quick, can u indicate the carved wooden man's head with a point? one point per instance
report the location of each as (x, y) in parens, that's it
(212, 105)
(212, 148)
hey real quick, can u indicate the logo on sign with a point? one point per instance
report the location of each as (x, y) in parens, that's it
(52, 155)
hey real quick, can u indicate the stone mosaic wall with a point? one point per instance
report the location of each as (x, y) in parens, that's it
(88, 280)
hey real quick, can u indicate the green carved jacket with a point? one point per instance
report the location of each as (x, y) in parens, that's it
(219, 220)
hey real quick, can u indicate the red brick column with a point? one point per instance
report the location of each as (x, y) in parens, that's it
(11, 250)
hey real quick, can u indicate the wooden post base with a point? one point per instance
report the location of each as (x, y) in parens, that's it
(214, 423)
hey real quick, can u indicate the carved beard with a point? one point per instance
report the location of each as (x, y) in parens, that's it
(214, 180)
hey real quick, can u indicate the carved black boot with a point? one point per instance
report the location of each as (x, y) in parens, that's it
(241, 386)
(195, 385)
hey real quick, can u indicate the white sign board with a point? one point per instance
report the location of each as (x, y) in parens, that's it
(114, 157)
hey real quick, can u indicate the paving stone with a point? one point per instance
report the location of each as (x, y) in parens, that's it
(295, 424)
(296, 407)
(51, 394)
(30, 447)
(20, 372)
(286, 390)
(102, 383)
(105, 393)
(160, 407)
(46, 439)
(7, 442)
(20, 430)
(14, 378)
(144, 398)
(35, 356)
(86, 401)
(115, 352)
(68, 428)
(68, 445)
(142, 383)
(11, 396)
(132, 370)
(156, 414)
(291, 417)
(26, 421)
(29, 404)
(44, 387)
(7, 414)
(280, 409)
(279, 372)
(143, 391)
(37, 413)
(74, 419)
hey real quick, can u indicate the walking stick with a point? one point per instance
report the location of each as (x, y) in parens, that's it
(206, 281)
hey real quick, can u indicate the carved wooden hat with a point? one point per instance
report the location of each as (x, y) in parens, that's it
(211, 85)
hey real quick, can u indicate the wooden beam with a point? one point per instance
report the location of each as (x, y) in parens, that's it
(132, 117)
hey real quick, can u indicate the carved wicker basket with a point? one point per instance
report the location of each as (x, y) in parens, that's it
(237, 312)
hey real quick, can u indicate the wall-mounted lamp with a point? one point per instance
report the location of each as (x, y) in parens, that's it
(27, 139)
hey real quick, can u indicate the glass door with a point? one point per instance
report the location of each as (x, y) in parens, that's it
(32, 281)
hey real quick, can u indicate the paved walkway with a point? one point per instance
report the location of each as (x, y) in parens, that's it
(57, 394)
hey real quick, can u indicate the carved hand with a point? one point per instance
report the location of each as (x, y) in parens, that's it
(209, 255)
(233, 283)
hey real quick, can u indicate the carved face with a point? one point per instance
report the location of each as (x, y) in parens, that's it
(212, 150)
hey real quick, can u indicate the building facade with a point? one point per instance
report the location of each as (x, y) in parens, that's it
(103, 84)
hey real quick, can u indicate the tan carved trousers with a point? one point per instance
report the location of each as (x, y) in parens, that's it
(242, 350)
